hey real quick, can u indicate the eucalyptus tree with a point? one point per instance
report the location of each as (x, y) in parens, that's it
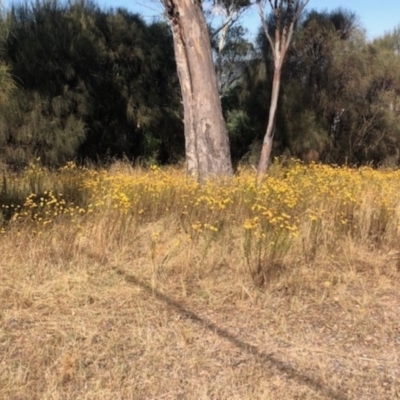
(307, 111)
(285, 14)
(228, 37)
(206, 138)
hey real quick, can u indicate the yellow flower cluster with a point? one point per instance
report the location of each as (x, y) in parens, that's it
(290, 199)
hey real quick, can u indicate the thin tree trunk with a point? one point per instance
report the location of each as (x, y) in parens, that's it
(221, 46)
(207, 143)
(269, 135)
(279, 45)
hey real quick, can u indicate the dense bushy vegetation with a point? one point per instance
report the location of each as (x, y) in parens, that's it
(89, 84)
(79, 82)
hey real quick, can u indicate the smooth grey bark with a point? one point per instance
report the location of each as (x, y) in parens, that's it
(206, 137)
(231, 11)
(285, 19)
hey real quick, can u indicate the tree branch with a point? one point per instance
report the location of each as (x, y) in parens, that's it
(264, 23)
(227, 24)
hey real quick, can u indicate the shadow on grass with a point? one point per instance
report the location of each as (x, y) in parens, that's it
(266, 358)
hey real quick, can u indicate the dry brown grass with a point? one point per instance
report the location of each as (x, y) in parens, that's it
(171, 293)
(110, 314)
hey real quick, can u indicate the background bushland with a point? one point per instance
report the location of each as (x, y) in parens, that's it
(79, 82)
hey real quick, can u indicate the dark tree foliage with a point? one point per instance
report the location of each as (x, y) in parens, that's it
(91, 84)
(347, 91)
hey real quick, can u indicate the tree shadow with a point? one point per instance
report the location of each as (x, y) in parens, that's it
(269, 359)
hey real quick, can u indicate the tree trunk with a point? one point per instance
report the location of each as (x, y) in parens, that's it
(192, 162)
(269, 135)
(206, 138)
(279, 45)
(221, 47)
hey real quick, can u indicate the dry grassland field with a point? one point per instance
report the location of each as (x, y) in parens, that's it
(131, 283)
